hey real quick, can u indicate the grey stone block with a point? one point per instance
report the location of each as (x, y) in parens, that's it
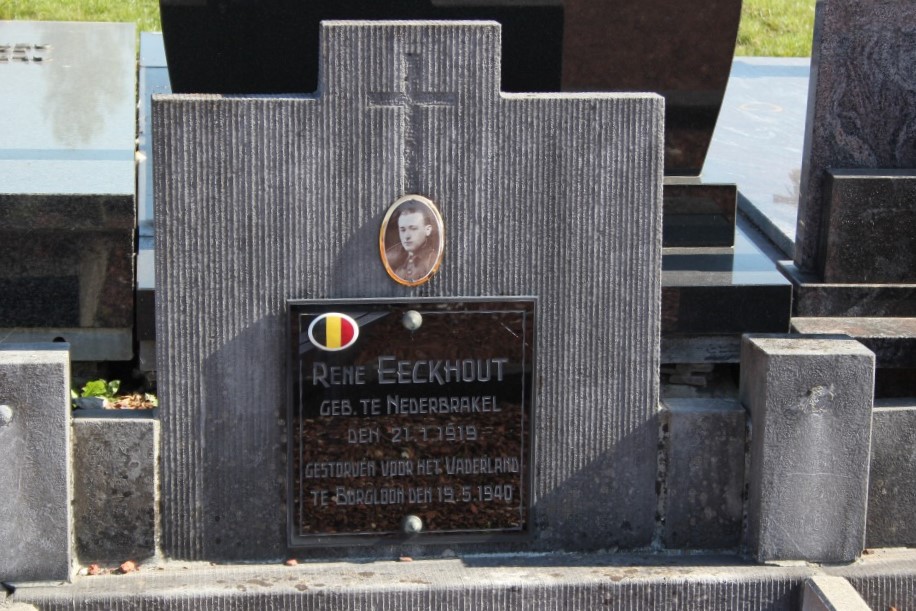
(830, 593)
(861, 111)
(892, 483)
(870, 228)
(705, 475)
(810, 401)
(35, 481)
(115, 508)
(554, 195)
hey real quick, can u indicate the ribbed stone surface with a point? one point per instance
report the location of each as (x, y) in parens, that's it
(35, 474)
(861, 113)
(266, 199)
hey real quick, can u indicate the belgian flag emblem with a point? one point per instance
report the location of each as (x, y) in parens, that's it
(333, 331)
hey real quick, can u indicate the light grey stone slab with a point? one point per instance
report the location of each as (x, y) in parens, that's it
(115, 508)
(861, 108)
(260, 200)
(892, 482)
(830, 593)
(35, 480)
(810, 401)
(705, 474)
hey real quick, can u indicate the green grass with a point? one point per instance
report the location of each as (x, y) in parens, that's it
(768, 27)
(780, 28)
(144, 12)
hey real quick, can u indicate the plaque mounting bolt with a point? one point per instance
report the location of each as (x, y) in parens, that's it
(412, 525)
(6, 415)
(412, 320)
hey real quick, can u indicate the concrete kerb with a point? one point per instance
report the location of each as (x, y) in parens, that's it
(831, 593)
(587, 581)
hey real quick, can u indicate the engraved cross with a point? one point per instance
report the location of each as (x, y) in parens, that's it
(412, 99)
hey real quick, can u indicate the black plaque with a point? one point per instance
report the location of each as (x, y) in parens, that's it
(410, 420)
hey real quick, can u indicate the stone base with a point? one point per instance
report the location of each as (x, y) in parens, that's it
(564, 581)
(115, 485)
(815, 298)
(705, 446)
(893, 340)
(892, 483)
(870, 229)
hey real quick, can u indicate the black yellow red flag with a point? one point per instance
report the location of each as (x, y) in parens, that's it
(333, 331)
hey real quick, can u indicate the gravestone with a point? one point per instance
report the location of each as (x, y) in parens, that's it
(35, 481)
(861, 110)
(682, 50)
(262, 200)
(857, 210)
(67, 214)
(204, 54)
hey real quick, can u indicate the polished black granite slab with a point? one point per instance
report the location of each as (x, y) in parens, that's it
(697, 213)
(271, 46)
(869, 228)
(759, 139)
(410, 420)
(722, 291)
(578, 45)
(682, 50)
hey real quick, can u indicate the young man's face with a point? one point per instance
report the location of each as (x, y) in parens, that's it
(413, 231)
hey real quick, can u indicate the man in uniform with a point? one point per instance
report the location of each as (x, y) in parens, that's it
(414, 256)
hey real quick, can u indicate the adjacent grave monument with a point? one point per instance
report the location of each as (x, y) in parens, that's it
(269, 199)
(67, 215)
(854, 271)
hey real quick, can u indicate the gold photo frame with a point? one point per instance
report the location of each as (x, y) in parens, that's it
(412, 240)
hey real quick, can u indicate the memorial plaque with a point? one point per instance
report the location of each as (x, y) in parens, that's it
(410, 419)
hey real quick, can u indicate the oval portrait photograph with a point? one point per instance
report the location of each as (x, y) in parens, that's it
(412, 240)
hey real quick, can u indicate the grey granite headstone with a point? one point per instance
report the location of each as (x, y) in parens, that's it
(265, 199)
(810, 401)
(35, 479)
(861, 103)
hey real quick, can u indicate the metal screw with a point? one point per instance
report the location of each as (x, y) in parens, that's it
(6, 415)
(412, 525)
(412, 320)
